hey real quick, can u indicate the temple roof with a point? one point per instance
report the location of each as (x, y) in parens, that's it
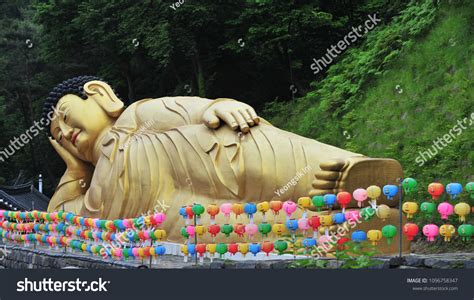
(22, 197)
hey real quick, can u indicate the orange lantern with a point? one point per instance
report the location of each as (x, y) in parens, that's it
(237, 209)
(276, 206)
(267, 247)
(239, 229)
(435, 189)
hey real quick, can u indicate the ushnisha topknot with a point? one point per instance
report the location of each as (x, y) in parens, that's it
(74, 86)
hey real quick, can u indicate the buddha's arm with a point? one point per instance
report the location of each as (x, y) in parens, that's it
(171, 112)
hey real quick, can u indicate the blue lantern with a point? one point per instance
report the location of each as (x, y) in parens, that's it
(250, 209)
(390, 191)
(338, 218)
(191, 249)
(160, 250)
(359, 236)
(453, 189)
(309, 242)
(182, 212)
(292, 225)
(255, 248)
(330, 200)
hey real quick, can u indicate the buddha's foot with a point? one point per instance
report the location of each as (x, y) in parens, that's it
(355, 172)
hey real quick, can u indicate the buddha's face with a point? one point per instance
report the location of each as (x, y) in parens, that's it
(78, 125)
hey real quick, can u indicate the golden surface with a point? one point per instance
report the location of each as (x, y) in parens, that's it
(161, 154)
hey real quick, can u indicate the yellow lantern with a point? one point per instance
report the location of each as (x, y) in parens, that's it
(326, 220)
(237, 209)
(211, 248)
(184, 249)
(462, 209)
(447, 231)
(410, 208)
(278, 229)
(243, 248)
(373, 192)
(374, 236)
(152, 251)
(263, 207)
(383, 212)
(160, 234)
(304, 202)
(200, 230)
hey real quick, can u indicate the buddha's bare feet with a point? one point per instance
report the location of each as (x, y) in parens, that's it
(355, 172)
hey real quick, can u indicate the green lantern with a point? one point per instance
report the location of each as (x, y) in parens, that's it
(389, 231)
(465, 231)
(184, 233)
(367, 213)
(264, 228)
(428, 207)
(409, 185)
(221, 248)
(227, 229)
(470, 189)
(318, 201)
(198, 209)
(280, 246)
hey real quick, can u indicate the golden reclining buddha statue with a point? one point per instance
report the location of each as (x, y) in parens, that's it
(174, 151)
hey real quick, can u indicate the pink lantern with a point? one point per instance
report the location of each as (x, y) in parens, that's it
(289, 207)
(352, 215)
(226, 209)
(135, 251)
(360, 195)
(251, 229)
(430, 231)
(303, 224)
(159, 218)
(118, 252)
(191, 230)
(445, 209)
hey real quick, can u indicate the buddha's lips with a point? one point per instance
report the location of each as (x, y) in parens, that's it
(74, 137)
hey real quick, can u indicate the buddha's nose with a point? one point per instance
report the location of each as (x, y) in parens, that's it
(66, 130)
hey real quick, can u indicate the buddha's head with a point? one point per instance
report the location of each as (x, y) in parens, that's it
(81, 109)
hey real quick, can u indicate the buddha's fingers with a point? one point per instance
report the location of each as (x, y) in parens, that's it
(323, 184)
(332, 165)
(327, 175)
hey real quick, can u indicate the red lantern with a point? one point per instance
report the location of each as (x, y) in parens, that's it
(239, 229)
(314, 222)
(189, 211)
(410, 230)
(214, 229)
(267, 247)
(435, 189)
(233, 248)
(344, 198)
(276, 206)
(201, 249)
(341, 242)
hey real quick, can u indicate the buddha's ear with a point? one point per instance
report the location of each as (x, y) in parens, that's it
(103, 94)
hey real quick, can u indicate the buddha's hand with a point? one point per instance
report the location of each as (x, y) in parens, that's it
(73, 164)
(234, 113)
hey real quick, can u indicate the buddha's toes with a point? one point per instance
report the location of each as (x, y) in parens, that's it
(355, 172)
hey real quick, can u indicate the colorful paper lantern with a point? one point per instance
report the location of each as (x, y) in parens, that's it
(264, 228)
(383, 212)
(280, 246)
(409, 185)
(221, 248)
(360, 195)
(430, 231)
(338, 218)
(367, 213)
(184, 232)
(289, 207)
(276, 206)
(213, 211)
(359, 236)
(191, 230)
(453, 189)
(447, 231)
(233, 248)
(304, 202)
(251, 230)
(343, 198)
(237, 209)
(427, 207)
(227, 229)
(267, 247)
(470, 189)
(445, 209)
(200, 230)
(243, 248)
(465, 231)
(389, 232)
(201, 249)
(373, 192)
(255, 248)
(214, 229)
(340, 243)
(198, 209)
(239, 229)
(291, 225)
(303, 224)
(330, 200)
(390, 191)
(278, 229)
(435, 189)
(226, 209)
(211, 248)
(318, 202)
(410, 230)
(352, 215)
(309, 242)
(410, 208)
(462, 209)
(326, 220)
(250, 209)
(374, 236)
(263, 207)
